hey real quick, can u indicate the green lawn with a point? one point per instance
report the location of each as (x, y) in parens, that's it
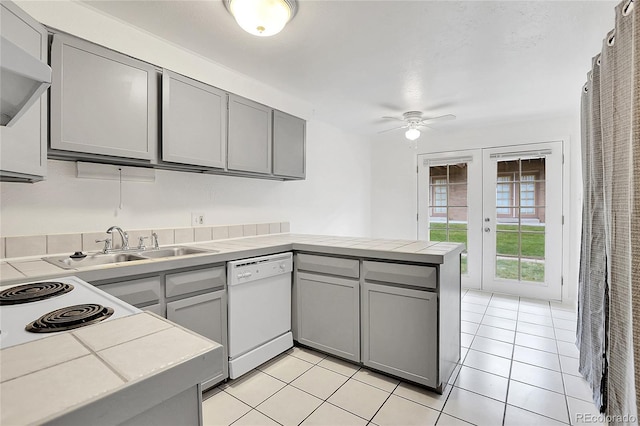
(531, 239)
(508, 269)
(508, 243)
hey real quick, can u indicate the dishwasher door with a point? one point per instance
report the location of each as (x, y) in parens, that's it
(259, 310)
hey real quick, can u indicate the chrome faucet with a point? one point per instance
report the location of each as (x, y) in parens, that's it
(123, 235)
(154, 241)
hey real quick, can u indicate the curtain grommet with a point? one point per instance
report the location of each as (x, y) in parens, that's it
(628, 8)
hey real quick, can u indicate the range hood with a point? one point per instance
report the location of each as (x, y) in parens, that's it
(23, 79)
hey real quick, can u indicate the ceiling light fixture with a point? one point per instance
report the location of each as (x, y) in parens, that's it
(262, 18)
(412, 134)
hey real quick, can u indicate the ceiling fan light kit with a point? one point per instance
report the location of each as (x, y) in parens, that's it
(412, 134)
(262, 18)
(414, 120)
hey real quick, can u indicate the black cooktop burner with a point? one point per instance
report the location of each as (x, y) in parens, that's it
(70, 317)
(33, 292)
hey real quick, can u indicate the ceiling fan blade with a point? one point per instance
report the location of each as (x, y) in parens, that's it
(440, 118)
(424, 125)
(394, 118)
(395, 128)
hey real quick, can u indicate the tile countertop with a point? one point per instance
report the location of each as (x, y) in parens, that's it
(16, 270)
(72, 370)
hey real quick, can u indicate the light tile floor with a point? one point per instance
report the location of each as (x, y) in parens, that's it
(518, 367)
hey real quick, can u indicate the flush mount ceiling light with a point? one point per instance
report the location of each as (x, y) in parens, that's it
(262, 17)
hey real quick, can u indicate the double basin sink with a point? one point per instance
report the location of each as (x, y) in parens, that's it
(68, 262)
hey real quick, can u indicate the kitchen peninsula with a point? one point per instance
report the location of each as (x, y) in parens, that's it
(420, 279)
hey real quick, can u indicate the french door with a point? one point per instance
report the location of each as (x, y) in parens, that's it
(505, 204)
(522, 223)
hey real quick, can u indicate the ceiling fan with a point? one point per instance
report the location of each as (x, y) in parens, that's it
(414, 120)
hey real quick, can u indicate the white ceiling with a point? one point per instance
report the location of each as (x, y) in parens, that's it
(356, 61)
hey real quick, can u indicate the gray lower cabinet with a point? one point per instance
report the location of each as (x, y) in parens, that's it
(194, 122)
(206, 314)
(23, 151)
(249, 136)
(328, 314)
(400, 332)
(411, 320)
(326, 304)
(289, 134)
(102, 102)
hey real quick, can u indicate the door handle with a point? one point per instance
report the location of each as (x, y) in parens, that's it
(487, 229)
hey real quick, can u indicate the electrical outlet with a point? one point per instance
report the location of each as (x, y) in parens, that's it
(197, 219)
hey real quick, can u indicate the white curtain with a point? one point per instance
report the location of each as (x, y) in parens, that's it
(608, 333)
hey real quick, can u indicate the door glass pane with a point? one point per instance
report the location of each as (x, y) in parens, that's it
(448, 215)
(520, 220)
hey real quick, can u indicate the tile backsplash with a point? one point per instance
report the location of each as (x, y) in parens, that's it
(33, 245)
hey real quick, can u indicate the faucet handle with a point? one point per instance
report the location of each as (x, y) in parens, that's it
(107, 244)
(141, 245)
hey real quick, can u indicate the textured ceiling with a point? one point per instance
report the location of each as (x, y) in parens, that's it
(356, 61)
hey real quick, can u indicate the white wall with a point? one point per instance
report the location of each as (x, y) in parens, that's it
(334, 198)
(394, 181)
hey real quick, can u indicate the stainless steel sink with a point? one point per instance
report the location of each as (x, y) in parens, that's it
(173, 251)
(67, 262)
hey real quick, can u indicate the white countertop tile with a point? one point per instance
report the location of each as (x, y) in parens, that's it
(8, 272)
(27, 358)
(155, 352)
(121, 330)
(243, 247)
(56, 390)
(36, 267)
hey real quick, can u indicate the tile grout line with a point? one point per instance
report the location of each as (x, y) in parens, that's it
(513, 350)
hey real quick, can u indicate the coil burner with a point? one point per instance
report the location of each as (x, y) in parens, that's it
(33, 292)
(70, 317)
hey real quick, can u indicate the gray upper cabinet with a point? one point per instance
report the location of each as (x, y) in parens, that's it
(288, 145)
(102, 102)
(249, 139)
(23, 151)
(194, 122)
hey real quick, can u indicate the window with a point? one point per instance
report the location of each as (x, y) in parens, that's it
(528, 195)
(439, 195)
(504, 196)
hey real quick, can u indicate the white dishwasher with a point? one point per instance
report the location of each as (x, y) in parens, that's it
(259, 310)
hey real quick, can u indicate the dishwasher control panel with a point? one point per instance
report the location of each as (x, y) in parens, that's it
(241, 271)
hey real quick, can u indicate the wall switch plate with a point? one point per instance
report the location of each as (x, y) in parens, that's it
(197, 219)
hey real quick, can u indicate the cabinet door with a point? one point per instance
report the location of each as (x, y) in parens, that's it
(194, 122)
(288, 145)
(205, 314)
(399, 332)
(328, 314)
(23, 150)
(102, 102)
(249, 143)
